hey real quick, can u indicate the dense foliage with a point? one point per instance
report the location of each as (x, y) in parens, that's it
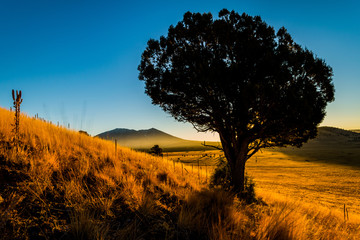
(236, 76)
(156, 150)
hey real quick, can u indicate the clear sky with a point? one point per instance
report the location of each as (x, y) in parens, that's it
(76, 61)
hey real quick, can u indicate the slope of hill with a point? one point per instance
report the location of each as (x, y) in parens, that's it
(60, 184)
(145, 139)
(337, 135)
(355, 130)
(332, 145)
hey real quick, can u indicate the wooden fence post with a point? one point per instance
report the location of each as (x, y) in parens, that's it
(115, 148)
(346, 213)
(199, 168)
(206, 170)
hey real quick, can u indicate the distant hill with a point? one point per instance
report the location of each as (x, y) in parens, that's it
(335, 136)
(355, 130)
(332, 145)
(145, 139)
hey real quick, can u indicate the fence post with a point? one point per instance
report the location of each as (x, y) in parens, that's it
(115, 148)
(206, 170)
(199, 168)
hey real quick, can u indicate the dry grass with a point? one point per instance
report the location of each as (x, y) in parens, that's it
(308, 221)
(295, 177)
(214, 214)
(66, 185)
(311, 194)
(318, 183)
(62, 175)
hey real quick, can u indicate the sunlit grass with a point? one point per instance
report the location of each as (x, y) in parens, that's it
(313, 182)
(295, 177)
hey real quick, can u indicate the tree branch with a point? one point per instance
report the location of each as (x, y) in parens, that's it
(202, 129)
(254, 150)
(216, 147)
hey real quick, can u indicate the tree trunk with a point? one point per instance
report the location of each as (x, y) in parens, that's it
(236, 158)
(238, 176)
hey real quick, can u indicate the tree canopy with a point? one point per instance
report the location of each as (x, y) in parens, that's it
(236, 76)
(156, 150)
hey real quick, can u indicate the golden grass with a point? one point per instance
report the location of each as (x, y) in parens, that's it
(65, 185)
(76, 173)
(318, 183)
(310, 194)
(308, 221)
(294, 177)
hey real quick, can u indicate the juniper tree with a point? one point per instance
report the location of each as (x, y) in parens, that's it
(156, 150)
(237, 76)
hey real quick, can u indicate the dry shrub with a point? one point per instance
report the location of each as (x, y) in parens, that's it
(10, 227)
(282, 223)
(212, 212)
(132, 231)
(147, 206)
(168, 178)
(83, 226)
(162, 176)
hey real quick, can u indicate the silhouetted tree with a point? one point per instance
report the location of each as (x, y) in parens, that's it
(234, 75)
(84, 132)
(156, 150)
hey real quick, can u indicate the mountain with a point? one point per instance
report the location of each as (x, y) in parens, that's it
(145, 139)
(332, 145)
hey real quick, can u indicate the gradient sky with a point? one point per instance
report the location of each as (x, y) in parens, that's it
(76, 61)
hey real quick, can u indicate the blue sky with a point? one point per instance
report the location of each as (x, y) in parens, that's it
(76, 61)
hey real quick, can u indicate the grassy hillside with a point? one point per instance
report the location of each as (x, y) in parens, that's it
(64, 185)
(332, 146)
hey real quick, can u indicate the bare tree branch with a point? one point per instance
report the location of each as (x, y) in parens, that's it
(216, 147)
